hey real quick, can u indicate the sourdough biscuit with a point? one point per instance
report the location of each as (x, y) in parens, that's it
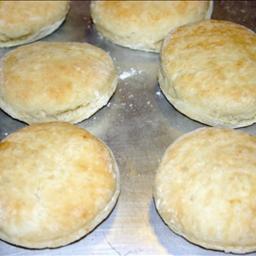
(205, 189)
(208, 72)
(26, 21)
(143, 25)
(57, 183)
(56, 81)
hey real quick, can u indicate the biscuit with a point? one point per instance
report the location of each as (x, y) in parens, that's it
(205, 189)
(143, 25)
(57, 183)
(26, 21)
(208, 73)
(46, 81)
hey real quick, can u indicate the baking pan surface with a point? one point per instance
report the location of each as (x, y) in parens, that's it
(138, 124)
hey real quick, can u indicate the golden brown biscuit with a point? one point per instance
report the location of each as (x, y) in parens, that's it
(205, 189)
(57, 183)
(26, 21)
(56, 81)
(143, 25)
(208, 72)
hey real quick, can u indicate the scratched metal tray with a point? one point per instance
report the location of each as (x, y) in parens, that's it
(138, 124)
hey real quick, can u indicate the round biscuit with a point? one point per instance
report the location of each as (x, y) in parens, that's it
(56, 81)
(143, 25)
(27, 21)
(208, 73)
(57, 183)
(205, 189)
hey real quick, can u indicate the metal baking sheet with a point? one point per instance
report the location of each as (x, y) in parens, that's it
(138, 124)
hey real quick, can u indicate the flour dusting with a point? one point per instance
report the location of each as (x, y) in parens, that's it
(131, 72)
